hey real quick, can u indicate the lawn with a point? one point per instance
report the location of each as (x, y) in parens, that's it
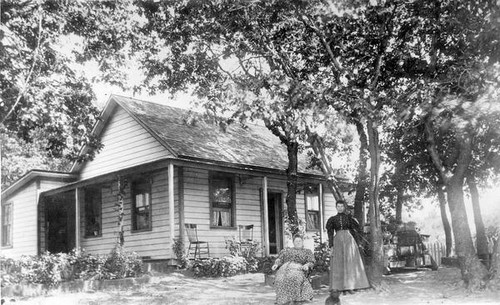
(416, 287)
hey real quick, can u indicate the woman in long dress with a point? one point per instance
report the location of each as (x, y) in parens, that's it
(347, 271)
(291, 283)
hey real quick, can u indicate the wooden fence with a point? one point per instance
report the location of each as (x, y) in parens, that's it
(437, 250)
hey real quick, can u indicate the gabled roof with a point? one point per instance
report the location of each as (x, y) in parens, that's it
(254, 146)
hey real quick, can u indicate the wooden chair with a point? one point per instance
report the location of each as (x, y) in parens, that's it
(197, 248)
(245, 235)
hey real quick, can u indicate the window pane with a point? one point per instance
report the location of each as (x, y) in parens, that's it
(312, 201)
(92, 212)
(141, 206)
(6, 224)
(221, 190)
(222, 201)
(312, 220)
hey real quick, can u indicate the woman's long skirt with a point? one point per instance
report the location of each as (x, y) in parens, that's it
(291, 284)
(347, 271)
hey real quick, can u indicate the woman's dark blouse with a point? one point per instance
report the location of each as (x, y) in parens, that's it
(341, 221)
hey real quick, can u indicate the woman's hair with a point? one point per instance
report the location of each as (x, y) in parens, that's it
(342, 202)
(298, 236)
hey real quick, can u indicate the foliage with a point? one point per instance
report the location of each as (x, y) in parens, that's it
(294, 228)
(19, 156)
(322, 254)
(265, 263)
(246, 250)
(51, 269)
(121, 263)
(220, 267)
(180, 252)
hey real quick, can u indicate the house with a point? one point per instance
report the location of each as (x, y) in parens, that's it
(171, 173)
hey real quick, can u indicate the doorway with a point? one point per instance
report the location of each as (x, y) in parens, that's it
(60, 222)
(275, 213)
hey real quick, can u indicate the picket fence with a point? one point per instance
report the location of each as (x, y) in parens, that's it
(437, 250)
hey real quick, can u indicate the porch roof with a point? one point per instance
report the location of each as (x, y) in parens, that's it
(37, 173)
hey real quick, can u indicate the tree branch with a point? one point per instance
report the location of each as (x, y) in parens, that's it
(33, 64)
(432, 148)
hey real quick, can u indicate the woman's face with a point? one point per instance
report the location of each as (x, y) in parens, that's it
(340, 208)
(298, 242)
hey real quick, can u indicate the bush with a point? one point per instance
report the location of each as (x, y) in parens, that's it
(249, 252)
(51, 269)
(321, 256)
(220, 267)
(264, 264)
(121, 264)
(180, 253)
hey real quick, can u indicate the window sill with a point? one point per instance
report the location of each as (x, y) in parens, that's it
(141, 230)
(92, 236)
(7, 247)
(224, 228)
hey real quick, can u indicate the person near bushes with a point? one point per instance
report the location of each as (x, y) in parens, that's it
(291, 283)
(347, 272)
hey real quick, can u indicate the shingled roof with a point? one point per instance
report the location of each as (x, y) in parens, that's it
(254, 146)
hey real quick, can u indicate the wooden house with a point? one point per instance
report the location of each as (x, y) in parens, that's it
(172, 173)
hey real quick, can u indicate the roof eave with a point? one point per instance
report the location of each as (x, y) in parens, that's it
(32, 174)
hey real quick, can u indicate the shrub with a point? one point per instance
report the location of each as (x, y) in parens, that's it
(51, 269)
(248, 251)
(321, 255)
(217, 267)
(264, 264)
(180, 253)
(120, 264)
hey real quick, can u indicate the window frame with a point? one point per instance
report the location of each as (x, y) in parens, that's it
(146, 183)
(213, 176)
(99, 211)
(10, 243)
(312, 190)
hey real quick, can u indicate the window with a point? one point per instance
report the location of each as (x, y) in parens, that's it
(7, 224)
(222, 200)
(93, 212)
(141, 205)
(312, 209)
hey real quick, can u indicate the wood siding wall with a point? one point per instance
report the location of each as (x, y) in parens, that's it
(127, 144)
(154, 244)
(248, 208)
(25, 219)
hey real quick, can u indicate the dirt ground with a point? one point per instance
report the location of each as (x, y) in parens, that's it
(416, 287)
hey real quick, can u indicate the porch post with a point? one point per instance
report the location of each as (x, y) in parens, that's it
(266, 216)
(321, 212)
(171, 205)
(77, 220)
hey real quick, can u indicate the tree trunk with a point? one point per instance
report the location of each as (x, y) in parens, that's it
(377, 247)
(473, 272)
(481, 240)
(444, 219)
(291, 183)
(359, 198)
(399, 202)
(327, 169)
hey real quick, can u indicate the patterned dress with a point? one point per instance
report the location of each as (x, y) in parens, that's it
(347, 271)
(291, 283)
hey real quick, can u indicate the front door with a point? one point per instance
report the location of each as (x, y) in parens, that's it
(275, 222)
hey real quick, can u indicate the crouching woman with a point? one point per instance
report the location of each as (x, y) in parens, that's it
(291, 281)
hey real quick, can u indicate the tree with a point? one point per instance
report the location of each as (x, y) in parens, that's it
(43, 94)
(458, 85)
